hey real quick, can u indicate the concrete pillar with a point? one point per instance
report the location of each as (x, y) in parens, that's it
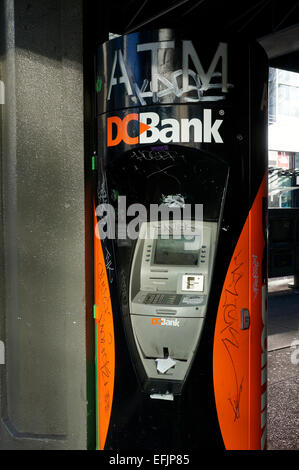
(44, 304)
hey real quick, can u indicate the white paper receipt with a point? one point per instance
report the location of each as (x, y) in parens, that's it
(163, 365)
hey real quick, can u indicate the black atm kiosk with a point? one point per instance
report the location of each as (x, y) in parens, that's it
(180, 313)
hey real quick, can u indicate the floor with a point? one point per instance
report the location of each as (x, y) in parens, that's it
(283, 365)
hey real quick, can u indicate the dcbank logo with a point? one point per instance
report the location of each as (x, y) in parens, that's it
(166, 322)
(147, 128)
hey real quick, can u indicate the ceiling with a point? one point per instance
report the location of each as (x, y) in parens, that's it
(275, 23)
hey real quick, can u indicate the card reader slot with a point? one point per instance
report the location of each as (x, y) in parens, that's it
(160, 278)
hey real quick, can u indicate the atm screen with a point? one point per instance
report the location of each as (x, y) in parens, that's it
(182, 251)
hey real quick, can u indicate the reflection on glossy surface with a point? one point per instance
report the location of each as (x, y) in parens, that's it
(148, 176)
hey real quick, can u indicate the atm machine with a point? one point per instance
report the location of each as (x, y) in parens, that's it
(180, 315)
(169, 285)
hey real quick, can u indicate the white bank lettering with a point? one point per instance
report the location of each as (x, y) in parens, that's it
(173, 130)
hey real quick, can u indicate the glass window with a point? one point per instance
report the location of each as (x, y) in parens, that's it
(288, 100)
(281, 179)
(272, 95)
(283, 111)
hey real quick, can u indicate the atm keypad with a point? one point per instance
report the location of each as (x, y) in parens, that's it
(162, 299)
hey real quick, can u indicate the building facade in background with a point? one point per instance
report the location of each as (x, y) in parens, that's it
(283, 139)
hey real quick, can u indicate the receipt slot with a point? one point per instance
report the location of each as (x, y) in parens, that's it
(180, 316)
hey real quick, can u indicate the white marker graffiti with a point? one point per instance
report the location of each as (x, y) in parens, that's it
(172, 88)
(180, 83)
(156, 155)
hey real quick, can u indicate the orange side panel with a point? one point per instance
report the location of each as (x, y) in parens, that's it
(105, 345)
(258, 332)
(230, 356)
(238, 354)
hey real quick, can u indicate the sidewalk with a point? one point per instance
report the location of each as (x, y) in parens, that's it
(283, 373)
